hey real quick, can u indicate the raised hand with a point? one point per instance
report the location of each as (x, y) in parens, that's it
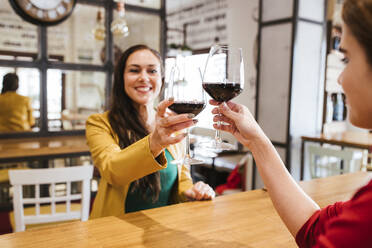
(238, 121)
(165, 125)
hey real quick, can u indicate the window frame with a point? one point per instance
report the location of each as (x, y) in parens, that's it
(43, 63)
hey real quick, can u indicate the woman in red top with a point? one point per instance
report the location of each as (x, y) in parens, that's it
(347, 224)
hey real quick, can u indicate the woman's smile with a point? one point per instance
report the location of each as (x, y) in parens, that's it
(143, 89)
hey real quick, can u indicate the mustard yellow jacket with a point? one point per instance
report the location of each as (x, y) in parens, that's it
(119, 167)
(15, 112)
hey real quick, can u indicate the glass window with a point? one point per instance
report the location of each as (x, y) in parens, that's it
(274, 10)
(29, 86)
(155, 4)
(73, 96)
(18, 39)
(312, 10)
(73, 41)
(143, 29)
(275, 71)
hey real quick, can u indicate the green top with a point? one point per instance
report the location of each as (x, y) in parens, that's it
(168, 178)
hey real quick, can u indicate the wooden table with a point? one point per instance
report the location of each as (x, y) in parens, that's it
(359, 140)
(245, 219)
(40, 149)
(17, 150)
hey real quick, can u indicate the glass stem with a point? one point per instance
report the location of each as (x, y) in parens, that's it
(217, 136)
(187, 151)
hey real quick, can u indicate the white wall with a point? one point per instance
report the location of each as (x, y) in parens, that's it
(242, 32)
(307, 87)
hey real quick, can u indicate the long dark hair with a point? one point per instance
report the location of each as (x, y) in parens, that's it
(126, 122)
(357, 15)
(10, 82)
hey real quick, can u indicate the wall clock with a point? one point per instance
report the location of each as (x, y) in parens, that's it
(43, 12)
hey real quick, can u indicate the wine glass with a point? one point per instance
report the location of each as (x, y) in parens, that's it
(223, 79)
(185, 86)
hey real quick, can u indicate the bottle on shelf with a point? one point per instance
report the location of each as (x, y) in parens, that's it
(329, 113)
(345, 106)
(338, 111)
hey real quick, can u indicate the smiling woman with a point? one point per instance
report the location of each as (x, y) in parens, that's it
(142, 77)
(132, 145)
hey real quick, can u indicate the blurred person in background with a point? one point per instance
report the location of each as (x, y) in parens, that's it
(15, 110)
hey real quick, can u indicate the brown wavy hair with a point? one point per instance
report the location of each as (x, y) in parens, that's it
(357, 15)
(126, 122)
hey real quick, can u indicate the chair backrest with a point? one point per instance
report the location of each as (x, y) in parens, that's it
(247, 162)
(52, 176)
(326, 161)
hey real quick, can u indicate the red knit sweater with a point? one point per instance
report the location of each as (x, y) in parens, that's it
(344, 224)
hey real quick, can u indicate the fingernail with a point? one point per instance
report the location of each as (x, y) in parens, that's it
(171, 99)
(223, 105)
(190, 116)
(195, 121)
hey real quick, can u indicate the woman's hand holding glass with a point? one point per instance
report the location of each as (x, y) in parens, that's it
(166, 124)
(238, 121)
(223, 80)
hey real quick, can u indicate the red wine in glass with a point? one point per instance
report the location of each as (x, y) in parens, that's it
(222, 92)
(185, 107)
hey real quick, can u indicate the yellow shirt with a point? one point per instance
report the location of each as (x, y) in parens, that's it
(15, 112)
(119, 167)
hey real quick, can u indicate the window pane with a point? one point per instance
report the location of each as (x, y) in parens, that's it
(73, 96)
(148, 3)
(14, 117)
(18, 39)
(275, 68)
(274, 9)
(73, 40)
(143, 29)
(312, 10)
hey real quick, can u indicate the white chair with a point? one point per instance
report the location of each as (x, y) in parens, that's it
(326, 161)
(19, 178)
